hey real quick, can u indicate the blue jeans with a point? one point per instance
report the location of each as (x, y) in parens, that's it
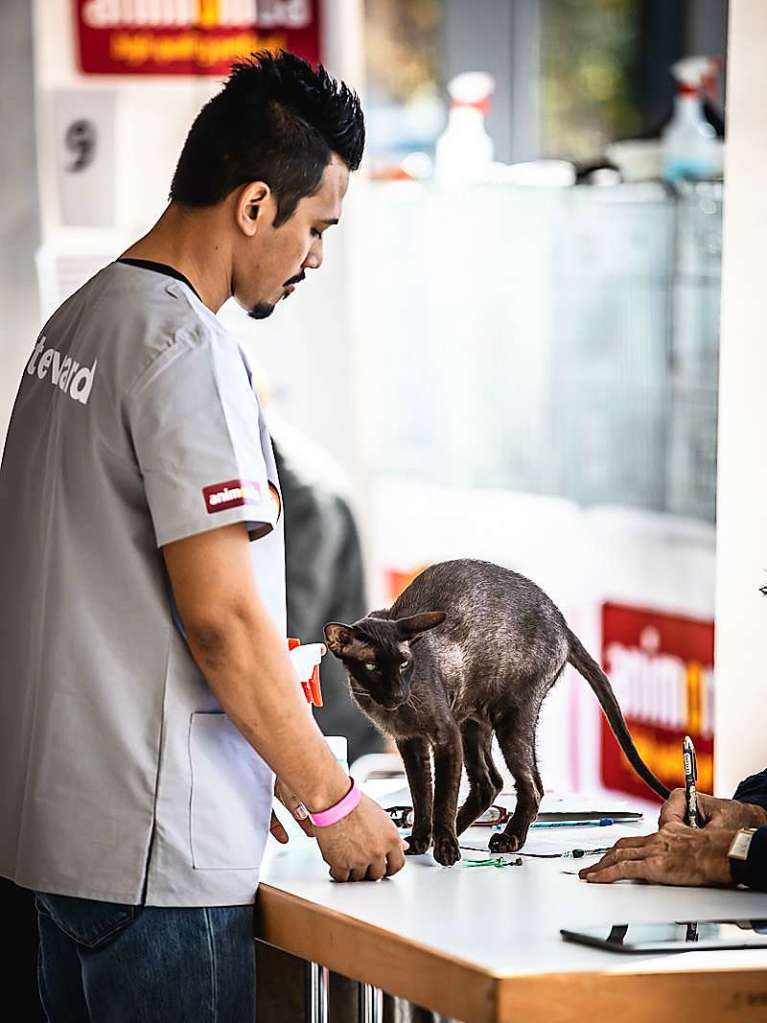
(106, 962)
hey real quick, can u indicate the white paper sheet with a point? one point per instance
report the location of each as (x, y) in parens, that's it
(555, 841)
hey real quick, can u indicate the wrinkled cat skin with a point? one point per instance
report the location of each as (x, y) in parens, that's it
(468, 649)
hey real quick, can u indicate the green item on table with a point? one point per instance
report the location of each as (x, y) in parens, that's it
(495, 861)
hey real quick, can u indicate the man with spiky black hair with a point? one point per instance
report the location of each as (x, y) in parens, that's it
(147, 695)
(291, 135)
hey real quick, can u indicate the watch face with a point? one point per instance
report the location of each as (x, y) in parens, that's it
(741, 844)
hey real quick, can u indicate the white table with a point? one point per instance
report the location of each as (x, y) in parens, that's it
(482, 945)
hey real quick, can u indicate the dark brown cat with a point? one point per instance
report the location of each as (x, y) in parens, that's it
(468, 649)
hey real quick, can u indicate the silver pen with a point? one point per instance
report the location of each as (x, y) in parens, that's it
(690, 778)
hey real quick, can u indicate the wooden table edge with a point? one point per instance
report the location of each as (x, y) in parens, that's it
(468, 992)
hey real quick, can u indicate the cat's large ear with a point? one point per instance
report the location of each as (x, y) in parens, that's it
(339, 637)
(413, 628)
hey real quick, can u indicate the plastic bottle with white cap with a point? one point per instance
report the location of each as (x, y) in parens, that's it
(464, 151)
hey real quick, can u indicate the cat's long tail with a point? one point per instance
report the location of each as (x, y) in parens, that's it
(584, 663)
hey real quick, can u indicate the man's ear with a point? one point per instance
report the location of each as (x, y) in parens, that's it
(250, 204)
(338, 637)
(413, 628)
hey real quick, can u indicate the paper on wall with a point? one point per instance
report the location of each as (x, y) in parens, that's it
(84, 131)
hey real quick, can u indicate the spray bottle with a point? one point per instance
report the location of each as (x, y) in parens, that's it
(464, 151)
(690, 146)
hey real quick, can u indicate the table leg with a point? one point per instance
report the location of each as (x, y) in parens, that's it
(371, 1004)
(316, 986)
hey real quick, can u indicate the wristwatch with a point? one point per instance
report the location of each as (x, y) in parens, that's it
(738, 853)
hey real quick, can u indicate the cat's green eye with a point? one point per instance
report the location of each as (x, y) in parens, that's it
(370, 666)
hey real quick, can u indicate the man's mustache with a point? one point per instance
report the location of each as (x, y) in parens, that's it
(295, 280)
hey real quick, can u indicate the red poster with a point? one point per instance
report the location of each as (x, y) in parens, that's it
(190, 37)
(662, 670)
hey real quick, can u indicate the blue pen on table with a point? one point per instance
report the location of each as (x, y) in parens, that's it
(603, 822)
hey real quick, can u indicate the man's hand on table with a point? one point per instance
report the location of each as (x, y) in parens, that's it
(364, 846)
(678, 854)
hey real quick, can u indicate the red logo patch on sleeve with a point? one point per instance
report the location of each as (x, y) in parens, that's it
(231, 494)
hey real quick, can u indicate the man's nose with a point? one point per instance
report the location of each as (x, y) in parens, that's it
(313, 260)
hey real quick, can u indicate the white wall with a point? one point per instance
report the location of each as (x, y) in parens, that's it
(153, 116)
(741, 706)
(19, 229)
(306, 348)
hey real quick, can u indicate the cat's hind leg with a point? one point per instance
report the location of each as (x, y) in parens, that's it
(516, 737)
(416, 756)
(495, 775)
(484, 785)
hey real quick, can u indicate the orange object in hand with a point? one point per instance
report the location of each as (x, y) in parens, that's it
(311, 686)
(314, 687)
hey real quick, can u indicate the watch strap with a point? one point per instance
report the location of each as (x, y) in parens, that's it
(751, 871)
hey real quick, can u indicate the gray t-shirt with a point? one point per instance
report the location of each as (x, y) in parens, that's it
(135, 425)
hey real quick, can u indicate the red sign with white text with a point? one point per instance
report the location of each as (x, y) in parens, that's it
(190, 37)
(661, 667)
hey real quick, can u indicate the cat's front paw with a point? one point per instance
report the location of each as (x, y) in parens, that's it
(446, 850)
(418, 843)
(502, 843)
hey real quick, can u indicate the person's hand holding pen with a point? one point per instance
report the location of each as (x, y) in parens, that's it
(692, 845)
(713, 812)
(678, 854)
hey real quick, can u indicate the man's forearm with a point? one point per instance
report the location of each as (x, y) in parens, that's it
(246, 664)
